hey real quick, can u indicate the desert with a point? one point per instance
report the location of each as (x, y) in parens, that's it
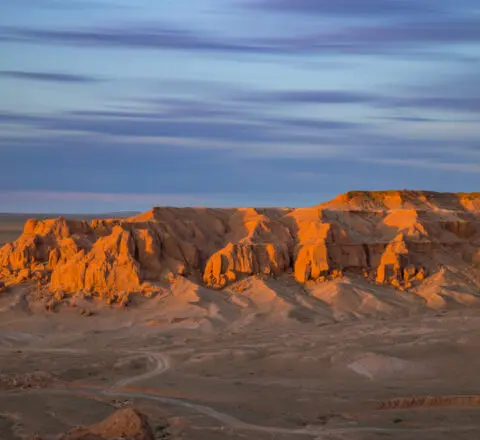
(239, 220)
(353, 319)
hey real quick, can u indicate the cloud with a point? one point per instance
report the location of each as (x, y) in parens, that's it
(97, 164)
(434, 98)
(49, 76)
(63, 5)
(138, 36)
(246, 130)
(57, 202)
(187, 121)
(113, 114)
(450, 30)
(463, 104)
(240, 127)
(66, 202)
(312, 97)
(103, 197)
(347, 7)
(427, 163)
(175, 145)
(20, 118)
(410, 119)
(246, 133)
(190, 170)
(381, 38)
(411, 36)
(314, 124)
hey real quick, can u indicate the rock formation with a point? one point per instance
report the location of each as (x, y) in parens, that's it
(391, 237)
(128, 424)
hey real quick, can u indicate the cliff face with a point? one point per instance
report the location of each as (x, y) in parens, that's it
(397, 238)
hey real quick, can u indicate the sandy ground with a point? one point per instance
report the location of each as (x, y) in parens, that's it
(411, 376)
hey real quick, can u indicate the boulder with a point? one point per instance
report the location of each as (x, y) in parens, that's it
(124, 424)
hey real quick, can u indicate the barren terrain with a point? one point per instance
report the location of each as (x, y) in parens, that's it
(357, 319)
(408, 378)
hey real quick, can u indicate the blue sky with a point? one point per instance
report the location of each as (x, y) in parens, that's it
(114, 105)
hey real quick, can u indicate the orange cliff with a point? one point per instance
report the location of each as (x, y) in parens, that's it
(392, 237)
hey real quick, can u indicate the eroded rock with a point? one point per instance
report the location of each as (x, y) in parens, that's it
(396, 238)
(126, 423)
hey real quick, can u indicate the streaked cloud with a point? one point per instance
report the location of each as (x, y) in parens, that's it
(54, 77)
(92, 202)
(195, 120)
(467, 100)
(70, 5)
(139, 36)
(429, 164)
(313, 97)
(244, 102)
(162, 199)
(348, 7)
(367, 38)
(462, 104)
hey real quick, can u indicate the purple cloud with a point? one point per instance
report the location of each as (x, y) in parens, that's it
(239, 126)
(147, 37)
(114, 114)
(48, 76)
(7, 117)
(70, 5)
(440, 31)
(464, 103)
(313, 97)
(347, 7)
(410, 119)
(354, 39)
(439, 97)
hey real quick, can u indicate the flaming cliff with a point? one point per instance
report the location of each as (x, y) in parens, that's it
(399, 238)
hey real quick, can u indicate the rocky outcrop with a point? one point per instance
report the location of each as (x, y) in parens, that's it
(127, 424)
(123, 424)
(396, 238)
(109, 266)
(245, 259)
(397, 265)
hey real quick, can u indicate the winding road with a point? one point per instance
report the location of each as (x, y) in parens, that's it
(161, 364)
(225, 419)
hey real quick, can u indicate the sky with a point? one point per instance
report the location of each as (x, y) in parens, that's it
(112, 105)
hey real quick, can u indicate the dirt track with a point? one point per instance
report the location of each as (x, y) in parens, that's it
(286, 382)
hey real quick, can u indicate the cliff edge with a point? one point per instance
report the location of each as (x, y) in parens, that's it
(398, 238)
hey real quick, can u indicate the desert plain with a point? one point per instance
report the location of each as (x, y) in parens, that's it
(355, 319)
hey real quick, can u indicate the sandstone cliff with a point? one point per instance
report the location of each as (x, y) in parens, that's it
(395, 237)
